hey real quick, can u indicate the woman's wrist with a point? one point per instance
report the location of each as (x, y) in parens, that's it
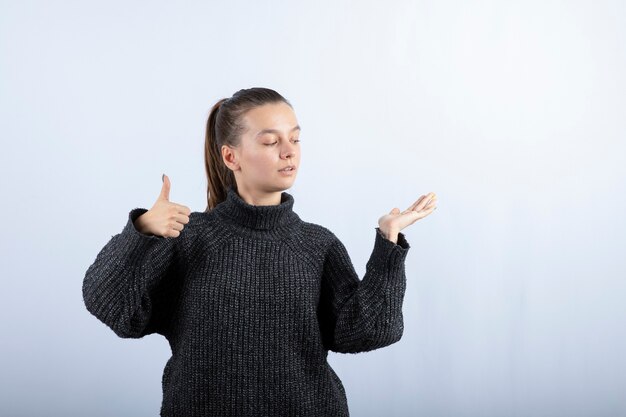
(389, 234)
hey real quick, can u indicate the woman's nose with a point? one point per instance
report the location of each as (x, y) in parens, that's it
(291, 152)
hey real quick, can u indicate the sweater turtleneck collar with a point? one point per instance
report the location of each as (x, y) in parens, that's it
(257, 217)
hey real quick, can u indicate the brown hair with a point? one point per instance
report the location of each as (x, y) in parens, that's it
(224, 127)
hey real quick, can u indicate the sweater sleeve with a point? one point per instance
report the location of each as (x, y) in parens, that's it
(132, 284)
(363, 315)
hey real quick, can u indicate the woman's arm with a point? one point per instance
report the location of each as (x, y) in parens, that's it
(363, 315)
(134, 281)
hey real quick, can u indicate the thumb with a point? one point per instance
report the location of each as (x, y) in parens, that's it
(165, 189)
(395, 210)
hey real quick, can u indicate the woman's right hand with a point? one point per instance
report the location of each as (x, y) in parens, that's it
(165, 218)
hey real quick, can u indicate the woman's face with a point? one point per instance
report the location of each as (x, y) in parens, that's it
(270, 143)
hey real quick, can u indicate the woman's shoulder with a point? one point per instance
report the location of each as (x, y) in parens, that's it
(208, 218)
(203, 229)
(316, 232)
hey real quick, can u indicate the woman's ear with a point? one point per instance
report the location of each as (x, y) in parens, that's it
(230, 157)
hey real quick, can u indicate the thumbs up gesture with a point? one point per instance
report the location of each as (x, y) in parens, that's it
(165, 218)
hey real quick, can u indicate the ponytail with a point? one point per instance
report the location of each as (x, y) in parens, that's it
(218, 175)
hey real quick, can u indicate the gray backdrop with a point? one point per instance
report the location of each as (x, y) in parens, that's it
(512, 112)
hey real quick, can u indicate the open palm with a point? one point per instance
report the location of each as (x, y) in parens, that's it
(396, 220)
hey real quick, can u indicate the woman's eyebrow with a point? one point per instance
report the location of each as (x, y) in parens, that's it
(264, 131)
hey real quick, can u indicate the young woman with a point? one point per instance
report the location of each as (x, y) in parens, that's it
(250, 297)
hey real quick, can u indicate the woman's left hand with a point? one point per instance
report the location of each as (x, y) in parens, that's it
(391, 224)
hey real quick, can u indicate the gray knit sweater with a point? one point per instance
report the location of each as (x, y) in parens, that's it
(251, 299)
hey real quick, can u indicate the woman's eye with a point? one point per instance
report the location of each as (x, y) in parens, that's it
(274, 143)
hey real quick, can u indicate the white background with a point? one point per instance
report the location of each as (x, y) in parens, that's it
(512, 112)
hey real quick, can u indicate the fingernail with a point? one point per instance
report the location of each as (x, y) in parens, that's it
(163, 178)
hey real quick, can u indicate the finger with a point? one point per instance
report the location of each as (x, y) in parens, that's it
(183, 209)
(419, 201)
(420, 214)
(165, 188)
(178, 225)
(173, 231)
(431, 203)
(181, 218)
(429, 197)
(412, 206)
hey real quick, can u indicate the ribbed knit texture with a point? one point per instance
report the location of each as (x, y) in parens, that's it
(251, 299)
